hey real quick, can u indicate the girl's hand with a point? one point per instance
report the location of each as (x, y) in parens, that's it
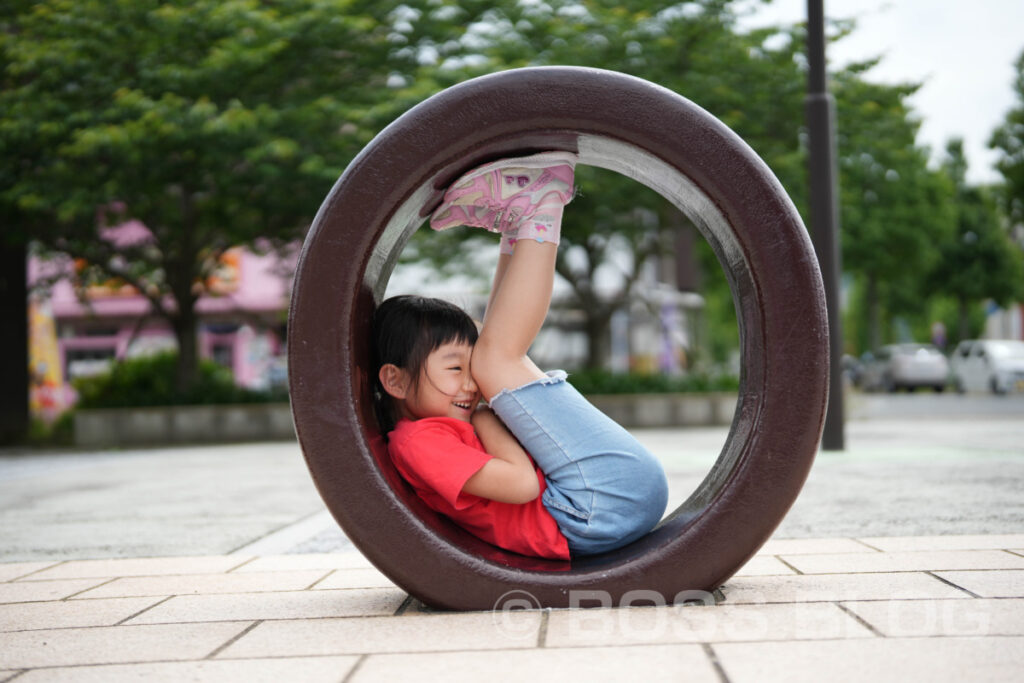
(509, 477)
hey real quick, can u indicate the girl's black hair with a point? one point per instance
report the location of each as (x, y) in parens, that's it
(406, 329)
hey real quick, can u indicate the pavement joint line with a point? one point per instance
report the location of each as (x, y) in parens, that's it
(542, 632)
(1014, 553)
(234, 639)
(320, 580)
(285, 537)
(86, 590)
(712, 656)
(864, 543)
(861, 620)
(404, 606)
(950, 583)
(249, 561)
(352, 672)
(239, 592)
(143, 610)
(14, 675)
(780, 559)
(35, 571)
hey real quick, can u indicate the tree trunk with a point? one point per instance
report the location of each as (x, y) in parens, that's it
(874, 314)
(597, 325)
(14, 413)
(688, 275)
(185, 332)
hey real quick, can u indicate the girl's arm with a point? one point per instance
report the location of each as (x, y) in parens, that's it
(509, 477)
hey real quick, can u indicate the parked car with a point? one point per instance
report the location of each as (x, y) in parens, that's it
(994, 365)
(905, 366)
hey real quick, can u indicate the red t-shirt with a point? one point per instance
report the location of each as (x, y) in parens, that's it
(437, 455)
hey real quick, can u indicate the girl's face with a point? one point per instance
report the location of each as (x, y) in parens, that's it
(446, 387)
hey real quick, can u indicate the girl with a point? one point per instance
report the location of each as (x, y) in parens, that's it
(593, 488)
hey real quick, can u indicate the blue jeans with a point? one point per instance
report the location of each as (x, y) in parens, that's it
(604, 489)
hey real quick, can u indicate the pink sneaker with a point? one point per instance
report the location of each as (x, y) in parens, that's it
(524, 195)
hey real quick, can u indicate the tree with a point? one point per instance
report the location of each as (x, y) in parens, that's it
(978, 261)
(754, 84)
(893, 208)
(1009, 140)
(213, 122)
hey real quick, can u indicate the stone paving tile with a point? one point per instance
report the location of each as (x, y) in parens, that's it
(299, 669)
(989, 584)
(356, 578)
(879, 660)
(277, 563)
(70, 613)
(853, 563)
(147, 566)
(803, 546)
(764, 565)
(980, 617)
(832, 587)
(16, 570)
(965, 542)
(30, 591)
(640, 625)
(114, 644)
(439, 632)
(651, 664)
(198, 584)
(289, 605)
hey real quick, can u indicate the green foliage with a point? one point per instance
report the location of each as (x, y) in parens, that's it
(894, 209)
(1008, 139)
(150, 381)
(593, 382)
(978, 260)
(61, 432)
(216, 123)
(753, 82)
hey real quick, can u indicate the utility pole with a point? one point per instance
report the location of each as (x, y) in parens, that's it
(824, 196)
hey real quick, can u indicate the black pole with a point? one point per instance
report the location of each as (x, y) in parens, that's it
(14, 415)
(824, 186)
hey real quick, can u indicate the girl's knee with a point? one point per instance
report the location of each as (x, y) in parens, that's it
(655, 485)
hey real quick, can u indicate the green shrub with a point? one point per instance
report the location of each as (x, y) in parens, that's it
(150, 381)
(607, 382)
(60, 432)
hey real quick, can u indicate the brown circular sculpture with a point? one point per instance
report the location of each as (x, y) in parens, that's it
(660, 139)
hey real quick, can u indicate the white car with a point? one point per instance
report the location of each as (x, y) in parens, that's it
(994, 365)
(905, 366)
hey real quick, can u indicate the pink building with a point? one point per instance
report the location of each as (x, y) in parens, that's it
(241, 326)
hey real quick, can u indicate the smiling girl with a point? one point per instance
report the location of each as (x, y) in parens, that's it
(539, 471)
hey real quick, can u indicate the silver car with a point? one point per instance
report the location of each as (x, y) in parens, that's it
(994, 365)
(905, 366)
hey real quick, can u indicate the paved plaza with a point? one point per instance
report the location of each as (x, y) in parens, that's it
(902, 560)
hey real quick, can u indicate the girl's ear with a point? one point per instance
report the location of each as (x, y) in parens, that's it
(395, 380)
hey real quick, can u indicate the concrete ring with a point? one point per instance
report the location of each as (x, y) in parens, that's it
(660, 139)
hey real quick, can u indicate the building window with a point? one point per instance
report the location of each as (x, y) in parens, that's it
(223, 354)
(87, 362)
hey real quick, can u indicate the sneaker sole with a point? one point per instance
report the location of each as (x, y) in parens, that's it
(542, 160)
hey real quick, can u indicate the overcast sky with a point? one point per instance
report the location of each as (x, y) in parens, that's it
(962, 50)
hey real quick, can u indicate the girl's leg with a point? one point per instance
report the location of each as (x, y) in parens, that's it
(499, 275)
(515, 314)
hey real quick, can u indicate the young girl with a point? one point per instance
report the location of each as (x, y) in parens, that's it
(540, 471)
